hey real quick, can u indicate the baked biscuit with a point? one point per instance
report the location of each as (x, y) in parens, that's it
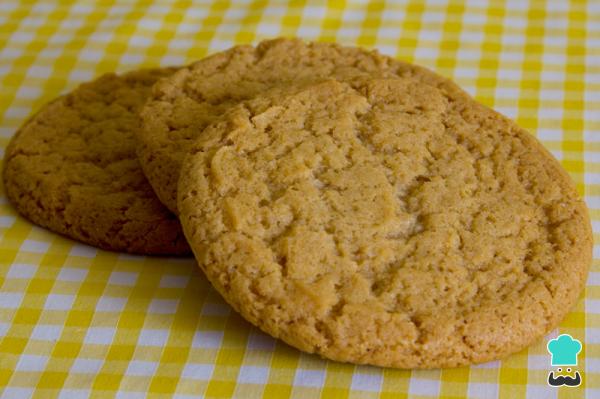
(182, 105)
(388, 223)
(72, 168)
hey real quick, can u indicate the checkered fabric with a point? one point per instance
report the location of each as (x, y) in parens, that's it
(80, 322)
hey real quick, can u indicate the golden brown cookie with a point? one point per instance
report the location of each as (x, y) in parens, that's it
(388, 224)
(72, 168)
(188, 101)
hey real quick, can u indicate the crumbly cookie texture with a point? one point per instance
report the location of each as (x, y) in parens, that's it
(387, 223)
(73, 168)
(183, 105)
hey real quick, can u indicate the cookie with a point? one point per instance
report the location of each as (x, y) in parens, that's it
(387, 224)
(73, 169)
(184, 104)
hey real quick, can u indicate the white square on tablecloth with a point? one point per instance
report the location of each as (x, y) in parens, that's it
(592, 393)
(592, 335)
(309, 378)
(538, 362)
(46, 332)
(81, 75)
(16, 393)
(535, 391)
(153, 337)
(83, 250)
(592, 306)
(545, 134)
(593, 277)
(207, 339)
(86, 366)
(110, 304)
(123, 278)
(420, 386)
(40, 71)
(10, 300)
(39, 247)
(28, 245)
(59, 302)
(141, 368)
(267, 29)
(4, 329)
(100, 335)
(6, 221)
(21, 270)
(197, 371)
(482, 390)
(487, 365)
(426, 53)
(163, 306)
(122, 394)
(367, 381)
(8, 53)
(74, 394)
(592, 364)
(72, 274)
(32, 363)
(550, 113)
(29, 92)
(253, 375)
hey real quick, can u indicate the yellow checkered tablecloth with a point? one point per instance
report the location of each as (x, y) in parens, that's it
(79, 322)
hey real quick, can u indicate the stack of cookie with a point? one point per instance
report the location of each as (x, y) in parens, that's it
(353, 205)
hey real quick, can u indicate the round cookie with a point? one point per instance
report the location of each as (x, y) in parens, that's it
(72, 168)
(182, 105)
(385, 224)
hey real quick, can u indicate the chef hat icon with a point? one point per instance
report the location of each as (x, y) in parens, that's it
(564, 350)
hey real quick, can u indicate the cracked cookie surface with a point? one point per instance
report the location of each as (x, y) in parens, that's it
(388, 223)
(72, 168)
(183, 105)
